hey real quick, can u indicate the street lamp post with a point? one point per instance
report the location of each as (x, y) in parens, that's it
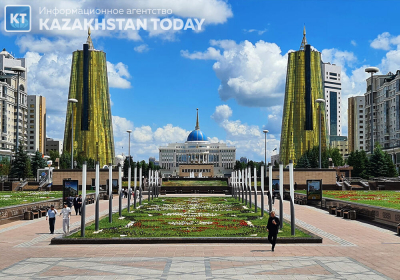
(320, 101)
(129, 173)
(72, 101)
(265, 148)
(18, 70)
(372, 70)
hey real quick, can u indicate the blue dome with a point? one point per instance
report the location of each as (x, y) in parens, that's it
(197, 135)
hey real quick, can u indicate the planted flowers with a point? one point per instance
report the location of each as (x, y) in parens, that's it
(185, 217)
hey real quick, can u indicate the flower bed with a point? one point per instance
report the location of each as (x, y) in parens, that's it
(18, 198)
(194, 183)
(388, 199)
(187, 217)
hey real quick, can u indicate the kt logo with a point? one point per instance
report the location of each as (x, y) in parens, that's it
(17, 18)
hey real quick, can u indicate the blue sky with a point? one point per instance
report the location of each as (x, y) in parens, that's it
(234, 70)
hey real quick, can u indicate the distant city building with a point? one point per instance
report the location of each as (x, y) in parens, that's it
(243, 159)
(332, 82)
(386, 112)
(53, 145)
(154, 161)
(275, 158)
(341, 143)
(197, 150)
(300, 121)
(36, 124)
(8, 94)
(93, 133)
(356, 123)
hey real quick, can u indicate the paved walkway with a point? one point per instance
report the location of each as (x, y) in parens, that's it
(350, 250)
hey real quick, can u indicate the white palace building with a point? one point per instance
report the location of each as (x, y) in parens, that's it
(197, 156)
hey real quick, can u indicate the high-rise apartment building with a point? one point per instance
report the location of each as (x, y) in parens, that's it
(332, 89)
(92, 122)
(356, 123)
(36, 124)
(8, 108)
(386, 112)
(301, 113)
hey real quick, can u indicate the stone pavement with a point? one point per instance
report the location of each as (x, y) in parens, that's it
(350, 250)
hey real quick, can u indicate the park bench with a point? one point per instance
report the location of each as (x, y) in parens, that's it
(332, 210)
(398, 229)
(36, 214)
(43, 212)
(28, 215)
(349, 213)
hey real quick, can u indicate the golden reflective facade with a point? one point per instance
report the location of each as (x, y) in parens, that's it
(300, 121)
(93, 133)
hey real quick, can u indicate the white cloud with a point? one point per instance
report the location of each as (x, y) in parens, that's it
(142, 134)
(121, 125)
(144, 140)
(118, 75)
(338, 57)
(141, 48)
(254, 75)
(382, 42)
(234, 129)
(353, 42)
(170, 134)
(259, 32)
(45, 45)
(385, 41)
(211, 53)
(222, 112)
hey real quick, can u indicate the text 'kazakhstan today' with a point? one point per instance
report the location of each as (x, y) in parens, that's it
(120, 24)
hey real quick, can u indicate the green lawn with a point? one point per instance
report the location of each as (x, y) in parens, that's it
(17, 198)
(388, 199)
(125, 184)
(195, 183)
(187, 217)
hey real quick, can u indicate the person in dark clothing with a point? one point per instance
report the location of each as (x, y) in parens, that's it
(273, 228)
(295, 186)
(78, 205)
(75, 202)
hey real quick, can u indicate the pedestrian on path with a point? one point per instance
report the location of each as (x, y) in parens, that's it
(273, 228)
(51, 216)
(78, 205)
(66, 213)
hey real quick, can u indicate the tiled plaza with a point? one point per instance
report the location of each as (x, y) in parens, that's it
(350, 250)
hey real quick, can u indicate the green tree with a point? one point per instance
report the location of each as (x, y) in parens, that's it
(378, 164)
(391, 167)
(21, 167)
(360, 163)
(65, 160)
(303, 161)
(54, 155)
(126, 166)
(38, 162)
(5, 167)
(276, 164)
(335, 155)
(238, 165)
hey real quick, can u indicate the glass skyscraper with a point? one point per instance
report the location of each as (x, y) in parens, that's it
(93, 133)
(300, 121)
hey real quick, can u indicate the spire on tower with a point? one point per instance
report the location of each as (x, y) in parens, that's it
(89, 40)
(197, 120)
(304, 41)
